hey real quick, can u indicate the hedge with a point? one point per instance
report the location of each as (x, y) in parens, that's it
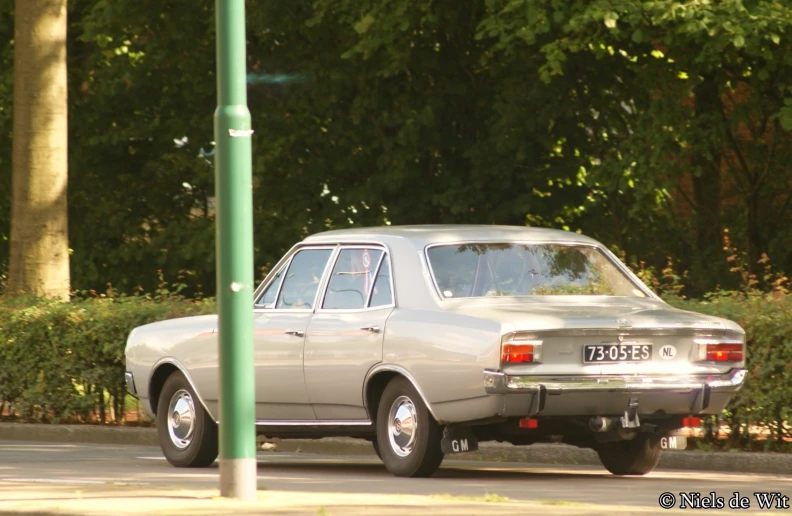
(765, 401)
(65, 361)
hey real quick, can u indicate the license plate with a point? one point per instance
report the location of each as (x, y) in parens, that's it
(617, 352)
(673, 442)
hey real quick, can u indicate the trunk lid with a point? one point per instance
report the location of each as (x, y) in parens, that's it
(578, 332)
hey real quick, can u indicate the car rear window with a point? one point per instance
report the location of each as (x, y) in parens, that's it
(479, 270)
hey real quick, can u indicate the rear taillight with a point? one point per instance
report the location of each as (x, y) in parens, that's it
(691, 421)
(515, 350)
(716, 351)
(517, 353)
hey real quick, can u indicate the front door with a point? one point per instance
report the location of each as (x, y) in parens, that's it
(345, 336)
(283, 312)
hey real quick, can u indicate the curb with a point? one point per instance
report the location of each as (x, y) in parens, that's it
(557, 454)
(93, 434)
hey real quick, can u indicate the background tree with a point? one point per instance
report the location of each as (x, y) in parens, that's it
(703, 89)
(39, 248)
(653, 126)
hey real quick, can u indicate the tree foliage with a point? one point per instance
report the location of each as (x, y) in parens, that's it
(653, 126)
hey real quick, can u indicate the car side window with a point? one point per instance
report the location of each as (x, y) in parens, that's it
(382, 294)
(267, 299)
(351, 279)
(303, 278)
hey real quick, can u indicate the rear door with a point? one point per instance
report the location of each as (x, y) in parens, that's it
(345, 336)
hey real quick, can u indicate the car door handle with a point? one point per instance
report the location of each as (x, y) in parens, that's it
(296, 333)
(372, 329)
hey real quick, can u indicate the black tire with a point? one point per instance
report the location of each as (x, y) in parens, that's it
(421, 456)
(637, 456)
(375, 444)
(200, 447)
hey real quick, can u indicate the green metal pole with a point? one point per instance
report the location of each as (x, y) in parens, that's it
(233, 184)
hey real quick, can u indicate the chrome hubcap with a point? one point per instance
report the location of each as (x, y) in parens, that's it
(181, 419)
(402, 426)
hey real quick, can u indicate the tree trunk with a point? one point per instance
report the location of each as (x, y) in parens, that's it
(39, 254)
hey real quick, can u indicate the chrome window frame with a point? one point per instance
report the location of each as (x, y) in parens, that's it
(286, 262)
(283, 268)
(358, 245)
(637, 283)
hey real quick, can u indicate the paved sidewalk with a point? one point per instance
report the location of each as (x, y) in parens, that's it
(745, 462)
(89, 500)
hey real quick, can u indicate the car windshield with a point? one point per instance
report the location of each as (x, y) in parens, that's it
(478, 270)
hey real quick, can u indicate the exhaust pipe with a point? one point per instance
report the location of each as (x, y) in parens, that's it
(600, 424)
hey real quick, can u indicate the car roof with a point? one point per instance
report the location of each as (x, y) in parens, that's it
(423, 235)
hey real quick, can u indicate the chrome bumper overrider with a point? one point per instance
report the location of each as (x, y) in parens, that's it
(496, 382)
(130, 383)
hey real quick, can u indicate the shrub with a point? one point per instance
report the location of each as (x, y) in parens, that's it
(764, 400)
(65, 361)
(763, 307)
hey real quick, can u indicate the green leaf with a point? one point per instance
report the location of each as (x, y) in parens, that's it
(610, 19)
(786, 121)
(364, 24)
(775, 38)
(638, 36)
(739, 41)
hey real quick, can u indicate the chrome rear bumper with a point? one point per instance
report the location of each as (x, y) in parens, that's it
(496, 382)
(549, 395)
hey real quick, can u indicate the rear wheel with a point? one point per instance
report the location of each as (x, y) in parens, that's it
(637, 456)
(187, 435)
(408, 437)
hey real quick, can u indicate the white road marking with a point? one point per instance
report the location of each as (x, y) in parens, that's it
(151, 458)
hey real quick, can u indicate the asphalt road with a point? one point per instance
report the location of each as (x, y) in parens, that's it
(45, 464)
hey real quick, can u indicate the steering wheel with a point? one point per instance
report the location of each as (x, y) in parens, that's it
(307, 300)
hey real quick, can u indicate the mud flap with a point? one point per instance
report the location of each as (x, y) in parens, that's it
(673, 441)
(458, 439)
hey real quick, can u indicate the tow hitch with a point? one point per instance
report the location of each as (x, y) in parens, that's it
(630, 417)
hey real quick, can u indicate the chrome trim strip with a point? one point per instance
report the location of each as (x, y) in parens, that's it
(497, 382)
(172, 361)
(314, 422)
(373, 281)
(599, 247)
(639, 332)
(285, 262)
(271, 274)
(366, 308)
(402, 371)
(283, 280)
(325, 279)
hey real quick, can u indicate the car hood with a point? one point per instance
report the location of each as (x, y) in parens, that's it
(585, 312)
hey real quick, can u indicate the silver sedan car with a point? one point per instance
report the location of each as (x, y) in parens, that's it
(426, 340)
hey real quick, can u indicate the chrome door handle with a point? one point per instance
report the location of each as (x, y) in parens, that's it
(372, 329)
(296, 333)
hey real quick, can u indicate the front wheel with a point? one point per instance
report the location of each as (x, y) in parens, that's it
(637, 456)
(408, 437)
(187, 435)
